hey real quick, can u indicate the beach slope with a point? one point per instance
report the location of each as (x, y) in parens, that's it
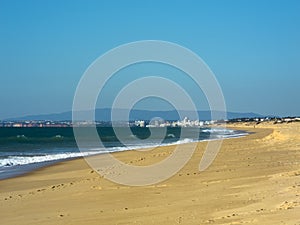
(253, 180)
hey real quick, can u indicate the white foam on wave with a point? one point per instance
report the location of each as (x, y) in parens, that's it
(183, 141)
(24, 160)
(218, 130)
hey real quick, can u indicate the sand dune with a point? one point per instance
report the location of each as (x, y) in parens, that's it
(254, 180)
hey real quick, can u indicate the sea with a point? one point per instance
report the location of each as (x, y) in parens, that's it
(26, 149)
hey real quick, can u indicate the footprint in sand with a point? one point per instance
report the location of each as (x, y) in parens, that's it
(39, 190)
(96, 187)
(289, 205)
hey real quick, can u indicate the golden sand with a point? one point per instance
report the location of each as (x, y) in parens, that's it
(253, 180)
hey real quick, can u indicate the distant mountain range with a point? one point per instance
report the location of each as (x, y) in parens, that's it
(105, 115)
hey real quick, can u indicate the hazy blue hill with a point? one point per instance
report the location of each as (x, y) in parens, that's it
(104, 115)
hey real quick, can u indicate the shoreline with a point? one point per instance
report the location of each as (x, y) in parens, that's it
(20, 170)
(254, 179)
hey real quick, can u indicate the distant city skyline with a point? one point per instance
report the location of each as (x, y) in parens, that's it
(253, 48)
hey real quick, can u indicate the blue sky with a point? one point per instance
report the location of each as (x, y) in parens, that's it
(253, 48)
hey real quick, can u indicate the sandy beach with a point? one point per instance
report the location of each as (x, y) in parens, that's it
(253, 180)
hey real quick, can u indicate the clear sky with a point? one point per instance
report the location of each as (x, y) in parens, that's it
(253, 47)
